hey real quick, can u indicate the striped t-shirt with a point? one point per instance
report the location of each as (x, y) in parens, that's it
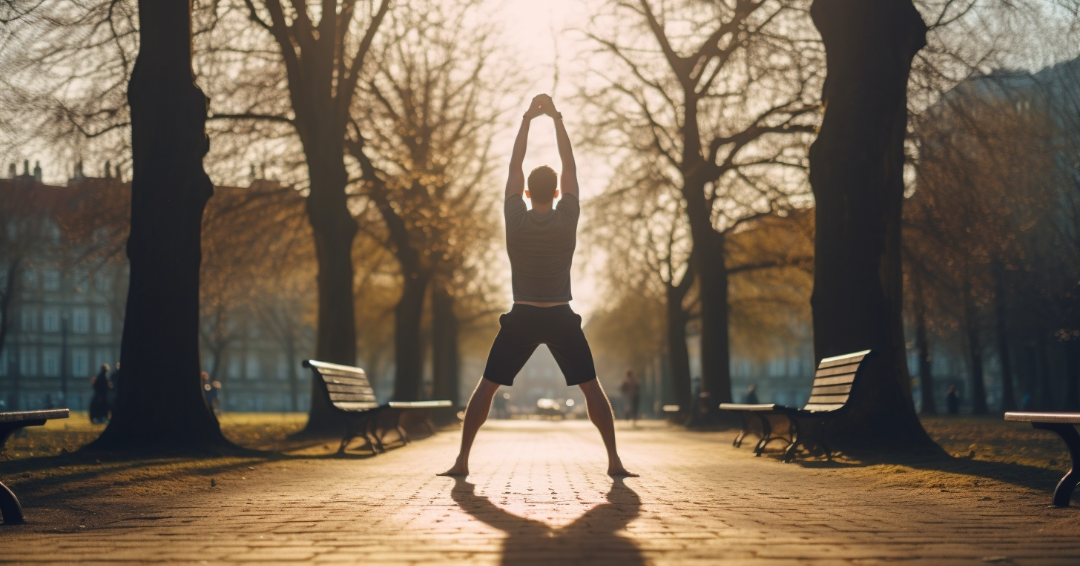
(541, 249)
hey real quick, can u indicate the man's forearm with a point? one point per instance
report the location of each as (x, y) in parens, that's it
(566, 153)
(517, 158)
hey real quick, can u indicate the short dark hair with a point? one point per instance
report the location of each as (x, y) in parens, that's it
(542, 184)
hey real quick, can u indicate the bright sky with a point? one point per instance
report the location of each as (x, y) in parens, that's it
(540, 32)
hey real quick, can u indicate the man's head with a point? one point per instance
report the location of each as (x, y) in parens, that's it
(543, 185)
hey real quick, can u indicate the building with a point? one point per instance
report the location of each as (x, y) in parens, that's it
(64, 287)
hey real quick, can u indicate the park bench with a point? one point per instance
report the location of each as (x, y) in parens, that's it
(350, 394)
(833, 383)
(10, 509)
(1062, 424)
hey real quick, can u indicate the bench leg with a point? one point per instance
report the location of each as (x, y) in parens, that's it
(10, 509)
(1065, 487)
(792, 449)
(766, 435)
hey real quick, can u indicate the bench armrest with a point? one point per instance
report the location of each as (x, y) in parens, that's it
(762, 408)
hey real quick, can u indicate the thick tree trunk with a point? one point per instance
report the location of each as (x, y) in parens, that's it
(922, 345)
(161, 404)
(334, 229)
(678, 354)
(1008, 393)
(978, 379)
(1046, 387)
(1072, 375)
(445, 356)
(715, 346)
(856, 172)
(408, 358)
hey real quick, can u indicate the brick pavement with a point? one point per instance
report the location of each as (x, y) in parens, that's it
(538, 495)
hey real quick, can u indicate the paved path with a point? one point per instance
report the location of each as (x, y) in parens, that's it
(538, 496)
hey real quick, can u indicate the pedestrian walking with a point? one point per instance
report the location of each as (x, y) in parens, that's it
(952, 401)
(99, 404)
(631, 396)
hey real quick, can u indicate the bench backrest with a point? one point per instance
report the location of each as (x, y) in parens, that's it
(347, 387)
(834, 379)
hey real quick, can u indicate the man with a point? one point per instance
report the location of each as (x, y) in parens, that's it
(540, 243)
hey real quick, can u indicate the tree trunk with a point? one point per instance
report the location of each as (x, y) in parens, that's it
(161, 404)
(978, 380)
(678, 354)
(922, 344)
(1008, 394)
(715, 346)
(446, 358)
(1072, 375)
(856, 172)
(408, 358)
(1046, 388)
(334, 229)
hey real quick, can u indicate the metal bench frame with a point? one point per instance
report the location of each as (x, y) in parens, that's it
(1063, 425)
(10, 508)
(834, 382)
(355, 401)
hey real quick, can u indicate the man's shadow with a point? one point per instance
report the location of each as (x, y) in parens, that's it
(591, 539)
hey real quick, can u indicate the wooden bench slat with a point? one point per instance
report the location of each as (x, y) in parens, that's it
(838, 380)
(842, 360)
(827, 400)
(837, 370)
(757, 408)
(19, 416)
(419, 404)
(357, 406)
(337, 387)
(820, 408)
(831, 389)
(1030, 417)
(339, 398)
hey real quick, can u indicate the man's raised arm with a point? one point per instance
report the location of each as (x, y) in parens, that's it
(515, 183)
(566, 153)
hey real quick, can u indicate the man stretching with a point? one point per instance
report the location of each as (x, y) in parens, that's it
(540, 243)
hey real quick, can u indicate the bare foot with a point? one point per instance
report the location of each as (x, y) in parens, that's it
(457, 470)
(620, 471)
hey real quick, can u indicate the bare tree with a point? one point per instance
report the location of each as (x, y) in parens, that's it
(433, 107)
(727, 104)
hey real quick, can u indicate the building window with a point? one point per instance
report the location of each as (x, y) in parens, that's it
(52, 232)
(252, 368)
(50, 280)
(777, 367)
(80, 320)
(79, 280)
(29, 319)
(234, 367)
(80, 363)
(50, 320)
(103, 282)
(27, 361)
(104, 356)
(29, 278)
(50, 362)
(103, 322)
(282, 368)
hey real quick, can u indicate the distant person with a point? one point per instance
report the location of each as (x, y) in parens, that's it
(501, 400)
(952, 401)
(751, 395)
(631, 395)
(48, 401)
(540, 243)
(99, 405)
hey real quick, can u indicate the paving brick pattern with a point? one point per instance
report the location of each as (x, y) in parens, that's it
(538, 495)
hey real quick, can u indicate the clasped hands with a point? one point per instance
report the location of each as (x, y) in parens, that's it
(542, 104)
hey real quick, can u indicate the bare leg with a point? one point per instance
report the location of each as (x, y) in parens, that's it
(600, 414)
(475, 415)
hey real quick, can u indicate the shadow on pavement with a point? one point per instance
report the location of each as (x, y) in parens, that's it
(591, 539)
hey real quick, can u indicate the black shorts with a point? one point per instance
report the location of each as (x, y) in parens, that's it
(524, 328)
